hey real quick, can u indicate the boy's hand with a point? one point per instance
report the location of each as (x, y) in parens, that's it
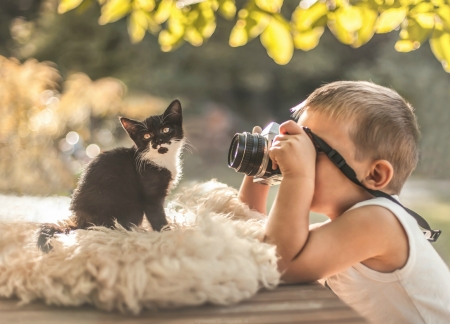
(293, 152)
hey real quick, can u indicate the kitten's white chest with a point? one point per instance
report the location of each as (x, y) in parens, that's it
(169, 160)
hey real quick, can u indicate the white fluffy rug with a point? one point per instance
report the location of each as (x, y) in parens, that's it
(213, 253)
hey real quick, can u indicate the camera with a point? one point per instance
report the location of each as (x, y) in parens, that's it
(249, 154)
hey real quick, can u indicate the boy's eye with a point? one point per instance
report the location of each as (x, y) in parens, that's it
(166, 130)
(146, 136)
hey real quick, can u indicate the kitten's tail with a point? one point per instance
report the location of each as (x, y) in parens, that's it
(48, 230)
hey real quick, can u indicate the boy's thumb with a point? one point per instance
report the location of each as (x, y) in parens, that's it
(257, 130)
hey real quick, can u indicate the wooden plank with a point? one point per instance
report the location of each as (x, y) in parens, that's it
(285, 304)
(50, 315)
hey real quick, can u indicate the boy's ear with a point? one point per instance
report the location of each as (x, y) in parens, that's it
(381, 173)
(130, 125)
(174, 110)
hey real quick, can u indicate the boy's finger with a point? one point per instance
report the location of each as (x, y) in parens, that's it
(274, 161)
(256, 130)
(290, 127)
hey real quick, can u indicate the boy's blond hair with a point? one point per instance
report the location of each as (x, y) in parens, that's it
(383, 124)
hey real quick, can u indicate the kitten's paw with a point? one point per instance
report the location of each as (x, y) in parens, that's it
(45, 234)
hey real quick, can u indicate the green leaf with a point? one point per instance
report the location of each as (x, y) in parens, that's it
(307, 40)
(272, 6)
(440, 45)
(114, 10)
(66, 5)
(304, 19)
(277, 40)
(390, 19)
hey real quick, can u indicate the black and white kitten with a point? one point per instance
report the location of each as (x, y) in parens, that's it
(123, 184)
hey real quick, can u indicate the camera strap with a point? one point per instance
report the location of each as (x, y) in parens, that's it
(339, 161)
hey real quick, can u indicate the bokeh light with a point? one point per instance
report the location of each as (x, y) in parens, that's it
(72, 138)
(92, 150)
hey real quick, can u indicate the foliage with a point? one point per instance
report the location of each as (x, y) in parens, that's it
(37, 156)
(353, 22)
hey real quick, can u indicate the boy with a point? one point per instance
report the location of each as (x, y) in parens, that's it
(370, 252)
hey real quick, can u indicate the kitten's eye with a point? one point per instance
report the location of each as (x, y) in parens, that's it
(146, 136)
(166, 130)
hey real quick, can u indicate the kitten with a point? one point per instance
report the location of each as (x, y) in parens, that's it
(125, 183)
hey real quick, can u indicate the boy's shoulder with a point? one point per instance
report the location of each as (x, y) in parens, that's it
(379, 228)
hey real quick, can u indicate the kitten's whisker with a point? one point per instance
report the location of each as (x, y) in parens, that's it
(189, 146)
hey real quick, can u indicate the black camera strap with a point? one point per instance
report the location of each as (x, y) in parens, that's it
(339, 161)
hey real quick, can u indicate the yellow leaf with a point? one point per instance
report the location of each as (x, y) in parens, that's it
(114, 10)
(277, 40)
(167, 40)
(404, 3)
(66, 5)
(256, 22)
(137, 26)
(390, 19)
(238, 36)
(341, 34)
(153, 27)
(307, 40)
(163, 11)
(422, 7)
(176, 27)
(228, 9)
(303, 19)
(425, 20)
(349, 18)
(193, 36)
(440, 45)
(406, 45)
(206, 24)
(365, 33)
(272, 6)
(444, 14)
(415, 32)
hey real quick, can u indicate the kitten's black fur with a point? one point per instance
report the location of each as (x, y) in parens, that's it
(125, 183)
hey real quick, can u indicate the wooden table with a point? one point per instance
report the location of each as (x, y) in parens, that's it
(307, 303)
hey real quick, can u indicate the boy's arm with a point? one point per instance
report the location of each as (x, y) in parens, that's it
(288, 224)
(369, 232)
(254, 194)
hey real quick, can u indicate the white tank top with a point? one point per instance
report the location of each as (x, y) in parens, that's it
(417, 293)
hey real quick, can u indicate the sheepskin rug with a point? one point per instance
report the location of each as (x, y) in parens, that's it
(212, 253)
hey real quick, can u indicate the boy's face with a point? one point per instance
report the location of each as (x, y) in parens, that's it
(334, 193)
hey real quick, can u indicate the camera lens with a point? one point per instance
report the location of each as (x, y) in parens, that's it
(246, 153)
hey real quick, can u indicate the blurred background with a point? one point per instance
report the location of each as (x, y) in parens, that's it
(65, 79)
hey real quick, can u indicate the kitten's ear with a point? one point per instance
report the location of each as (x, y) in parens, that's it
(130, 125)
(174, 110)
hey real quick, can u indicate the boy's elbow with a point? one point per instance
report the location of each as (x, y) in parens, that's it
(292, 274)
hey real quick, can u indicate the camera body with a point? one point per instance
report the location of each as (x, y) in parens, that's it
(249, 154)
